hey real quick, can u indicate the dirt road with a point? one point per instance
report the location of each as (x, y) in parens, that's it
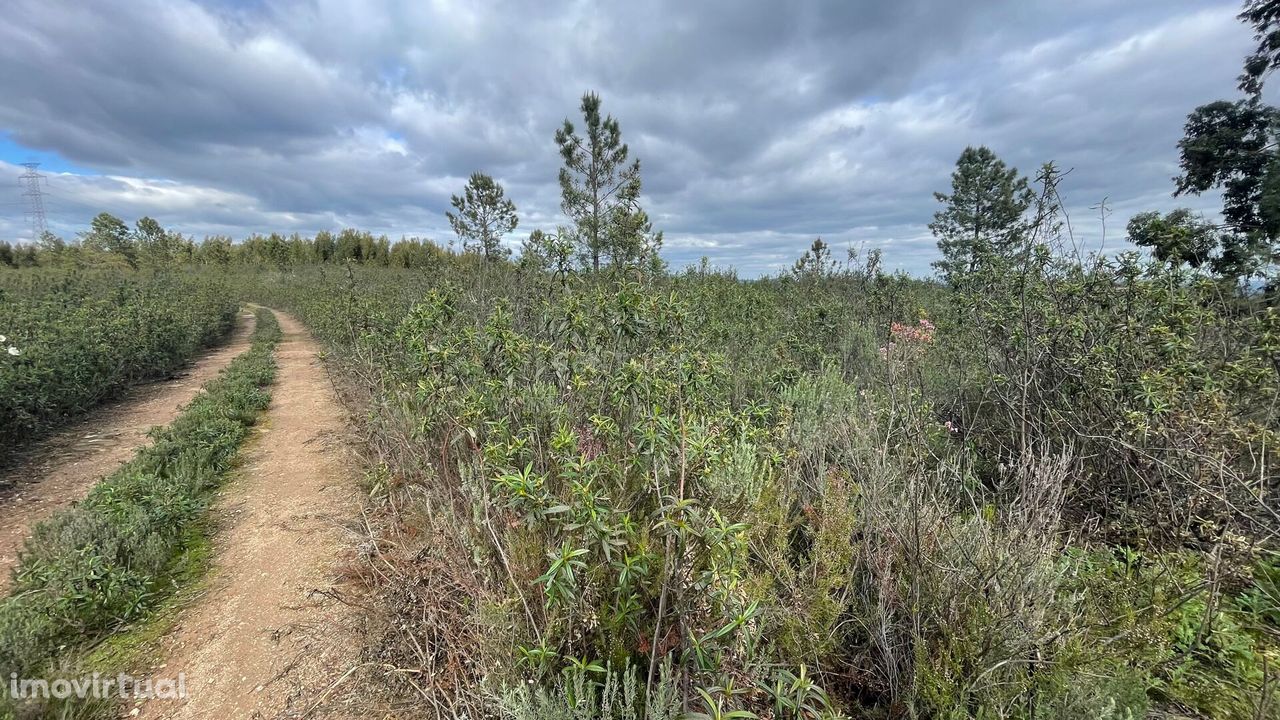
(62, 469)
(266, 641)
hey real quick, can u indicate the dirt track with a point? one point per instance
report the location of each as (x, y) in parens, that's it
(63, 468)
(266, 640)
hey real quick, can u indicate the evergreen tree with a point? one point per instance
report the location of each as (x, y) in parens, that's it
(984, 218)
(484, 215)
(600, 191)
(108, 233)
(816, 262)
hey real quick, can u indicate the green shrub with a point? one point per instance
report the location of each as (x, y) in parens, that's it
(103, 562)
(83, 335)
(801, 494)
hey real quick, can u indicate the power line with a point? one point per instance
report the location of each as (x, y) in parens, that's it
(34, 195)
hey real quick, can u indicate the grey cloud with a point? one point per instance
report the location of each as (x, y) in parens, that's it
(759, 125)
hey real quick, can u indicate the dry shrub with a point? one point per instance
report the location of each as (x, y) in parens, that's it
(957, 603)
(434, 622)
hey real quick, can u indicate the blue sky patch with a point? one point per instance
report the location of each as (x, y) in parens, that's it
(50, 162)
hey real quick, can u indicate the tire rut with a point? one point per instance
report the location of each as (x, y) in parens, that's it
(267, 639)
(61, 469)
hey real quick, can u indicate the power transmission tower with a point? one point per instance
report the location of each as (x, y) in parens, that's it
(34, 194)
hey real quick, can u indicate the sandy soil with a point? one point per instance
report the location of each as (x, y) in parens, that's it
(267, 640)
(62, 469)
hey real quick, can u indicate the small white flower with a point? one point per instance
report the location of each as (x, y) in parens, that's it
(3, 338)
(14, 351)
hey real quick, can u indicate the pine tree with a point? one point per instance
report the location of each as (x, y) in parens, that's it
(600, 191)
(484, 216)
(984, 218)
(816, 262)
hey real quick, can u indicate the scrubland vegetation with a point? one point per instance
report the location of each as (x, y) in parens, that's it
(1045, 491)
(1045, 495)
(1042, 485)
(75, 338)
(107, 560)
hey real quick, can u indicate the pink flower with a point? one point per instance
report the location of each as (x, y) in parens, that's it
(921, 333)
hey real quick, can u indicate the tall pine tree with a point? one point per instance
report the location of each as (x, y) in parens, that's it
(600, 191)
(984, 218)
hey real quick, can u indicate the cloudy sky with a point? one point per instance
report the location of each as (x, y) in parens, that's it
(759, 124)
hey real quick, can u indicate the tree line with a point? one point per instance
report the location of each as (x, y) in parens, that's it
(600, 196)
